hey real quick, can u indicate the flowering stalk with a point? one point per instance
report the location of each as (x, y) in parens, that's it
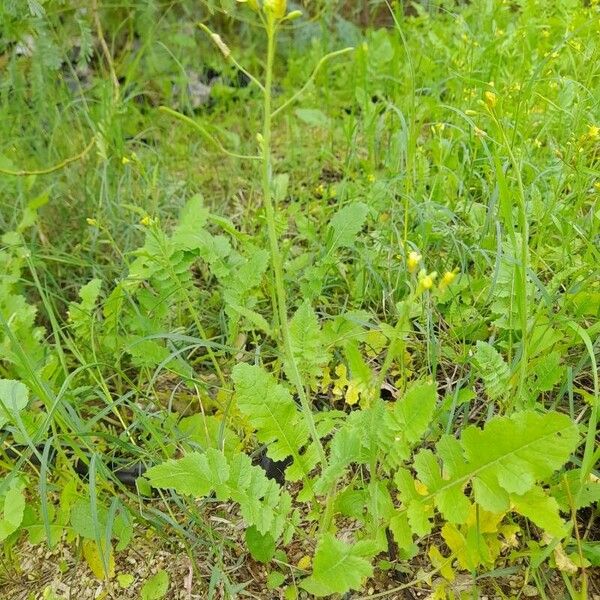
(276, 257)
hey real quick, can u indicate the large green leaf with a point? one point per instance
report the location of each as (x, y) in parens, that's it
(502, 463)
(272, 411)
(262, 503)
(346, 224)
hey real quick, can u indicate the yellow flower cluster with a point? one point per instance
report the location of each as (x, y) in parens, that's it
(426, 280)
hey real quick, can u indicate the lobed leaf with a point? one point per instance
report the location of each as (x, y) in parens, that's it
(262, 503)
(339, 567)
(272, 411)
(502, 463)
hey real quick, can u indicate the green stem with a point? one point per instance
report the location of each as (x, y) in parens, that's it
(522, 268)
(276, 257)
(396, 344)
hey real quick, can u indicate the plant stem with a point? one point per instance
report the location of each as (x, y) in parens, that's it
(396, 345)
(276, 258)
(523, 225)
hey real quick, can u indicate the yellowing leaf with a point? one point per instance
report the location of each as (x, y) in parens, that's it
(509, 533)
(486, 522)
(563, 562)
(352, 393)
(442, 563)
(305, 562)
(93, 557)
(253, 4)
(341, 380)
(421, 488)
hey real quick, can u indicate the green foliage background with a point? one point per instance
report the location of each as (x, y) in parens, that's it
(436, 211)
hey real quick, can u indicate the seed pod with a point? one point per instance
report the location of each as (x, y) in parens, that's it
(221, 45)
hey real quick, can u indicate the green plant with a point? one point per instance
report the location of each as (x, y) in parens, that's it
(295, 375)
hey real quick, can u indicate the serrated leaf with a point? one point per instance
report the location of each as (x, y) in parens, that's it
(308, 343)
(339, 567)
(262, 503)
(414, 411)
(501, 462)
(272, 411)
(401, 530)
(548, 372)
(313, 117)
(254, 318)
(540, 509)
(205, 430)
(572, 492)
(82, 522)
(493, 370)
(346, 224)
(80, 312)
(14, 510)
(195, 474)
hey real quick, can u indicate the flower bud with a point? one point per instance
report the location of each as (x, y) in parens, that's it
(252, 4)
(490, 100)
(414, 258)
(276, 7)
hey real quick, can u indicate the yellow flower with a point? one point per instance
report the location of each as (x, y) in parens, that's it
(593, 132)
(146, 221)
(125, 160)
(537, 143)
(426, 280)
(490, 99)
(371, 178)
(91, 222)
(414, 258)
(438, 128)
(276, 7)
(448, 278)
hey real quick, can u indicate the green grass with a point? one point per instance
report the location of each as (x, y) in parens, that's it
(140, 274)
